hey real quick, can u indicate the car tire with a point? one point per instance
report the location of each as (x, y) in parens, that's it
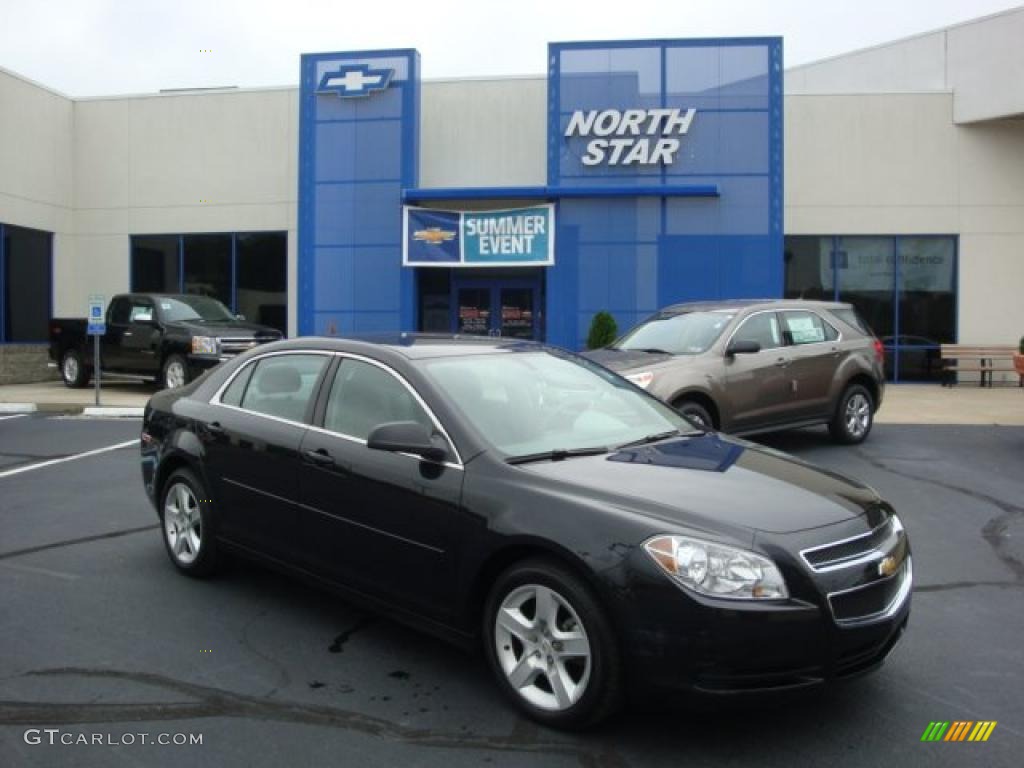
(561, 668)
(694, 411)
(174, 373)
(186, 523)
(854, 416)
(73, 371)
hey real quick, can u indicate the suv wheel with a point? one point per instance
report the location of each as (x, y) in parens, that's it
(854, 416)
(551, 646)
(73, 370)
(695, 412)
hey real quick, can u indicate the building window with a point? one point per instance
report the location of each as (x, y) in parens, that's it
(904, 287)
(26, 280)
(246, 271)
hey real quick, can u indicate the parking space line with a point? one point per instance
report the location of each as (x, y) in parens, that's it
(74, 457)
(42, 571)
(13, 416)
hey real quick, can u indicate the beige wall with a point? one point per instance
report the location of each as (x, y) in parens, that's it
(898, 164)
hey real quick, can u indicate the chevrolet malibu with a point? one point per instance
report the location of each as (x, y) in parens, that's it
(514, 496)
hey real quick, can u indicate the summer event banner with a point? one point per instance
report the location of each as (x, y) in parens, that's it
(510, 238)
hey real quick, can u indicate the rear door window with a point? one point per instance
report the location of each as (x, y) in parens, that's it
(800, 327)
(283, 386)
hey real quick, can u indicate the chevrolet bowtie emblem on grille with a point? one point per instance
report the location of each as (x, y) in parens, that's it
(355, 80)
(888, 565)
(433, 235)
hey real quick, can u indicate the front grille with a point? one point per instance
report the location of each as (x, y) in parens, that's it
(843, 554)
(873, 601)
(237, 346)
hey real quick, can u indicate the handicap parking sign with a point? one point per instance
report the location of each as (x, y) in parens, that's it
(97, 325)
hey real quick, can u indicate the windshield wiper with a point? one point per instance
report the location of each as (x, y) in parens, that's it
(656, 437)
(556, 455)
(655, 351)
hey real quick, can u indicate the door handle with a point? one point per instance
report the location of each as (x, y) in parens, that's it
(215, 427)
(127, 333)
(781, 362)
(319, 456)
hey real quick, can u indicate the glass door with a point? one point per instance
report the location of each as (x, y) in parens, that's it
(498, 307)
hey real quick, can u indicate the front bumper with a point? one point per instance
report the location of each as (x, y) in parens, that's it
(679, 642)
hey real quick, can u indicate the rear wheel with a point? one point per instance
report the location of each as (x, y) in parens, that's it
(73, 370)
(854, 416)
(695, 412)
(174, 373)
(551, 646)
(185, 516)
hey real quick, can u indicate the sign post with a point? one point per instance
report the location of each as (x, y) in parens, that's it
(96, 328)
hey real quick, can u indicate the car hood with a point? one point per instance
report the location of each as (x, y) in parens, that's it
(239, 329)
(625, 359)
(711, 478)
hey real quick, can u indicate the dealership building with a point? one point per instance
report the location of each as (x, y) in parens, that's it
(631, 175)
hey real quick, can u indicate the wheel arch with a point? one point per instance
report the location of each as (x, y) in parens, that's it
(701, 397)
(865, 381)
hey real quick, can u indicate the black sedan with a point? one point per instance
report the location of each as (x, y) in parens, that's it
(516, 495)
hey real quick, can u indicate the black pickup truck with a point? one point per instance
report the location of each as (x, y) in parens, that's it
(170, 338)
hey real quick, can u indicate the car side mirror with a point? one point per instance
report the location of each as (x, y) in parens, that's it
(406, 437)
(742, 347)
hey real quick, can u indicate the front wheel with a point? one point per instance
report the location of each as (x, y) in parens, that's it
(551, 646)
(73, 370)
(174, 373)
(696, 413)
(854, 416)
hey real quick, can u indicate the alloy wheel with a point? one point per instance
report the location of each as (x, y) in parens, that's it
(183, 523)
(542, 647)
(858, 415)
(174, 376)
(70, 369)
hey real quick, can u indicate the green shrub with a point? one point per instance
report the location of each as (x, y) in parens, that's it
(603, 331)
(1022, 345)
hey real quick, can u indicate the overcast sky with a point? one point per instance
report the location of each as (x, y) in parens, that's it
(100, 47)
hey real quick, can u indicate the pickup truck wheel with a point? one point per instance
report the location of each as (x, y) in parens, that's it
(73, 370)
(175, 372)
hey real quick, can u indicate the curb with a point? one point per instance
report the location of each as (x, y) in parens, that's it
(121, 412)
(18, 408)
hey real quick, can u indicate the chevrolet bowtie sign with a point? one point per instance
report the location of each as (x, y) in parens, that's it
(631, 136)
(355, 80)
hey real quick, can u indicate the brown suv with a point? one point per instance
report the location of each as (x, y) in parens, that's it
(755, 366)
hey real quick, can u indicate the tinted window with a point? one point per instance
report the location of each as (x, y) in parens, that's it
(283, 385)
(119, 310)
(806, 328)
(364, 396)
(233, 394)
(853, 319)
(193, 308)
(762, 328)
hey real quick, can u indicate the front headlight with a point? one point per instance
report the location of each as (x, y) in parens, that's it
(717, 570)
(642, 379)
(204, 345)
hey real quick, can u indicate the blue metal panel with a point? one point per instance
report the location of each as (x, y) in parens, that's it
(716, 231)
(3, 285)
(356, 155)
(604, 189)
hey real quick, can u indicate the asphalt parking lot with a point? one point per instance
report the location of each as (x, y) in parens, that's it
(100, 635)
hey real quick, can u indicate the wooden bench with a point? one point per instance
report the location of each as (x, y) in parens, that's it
(984, 359)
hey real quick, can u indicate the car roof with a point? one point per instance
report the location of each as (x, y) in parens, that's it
(413, 346)
(740, 304)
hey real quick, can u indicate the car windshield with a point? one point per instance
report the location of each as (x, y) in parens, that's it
(201, 308)
(685, 333)
(539, 401)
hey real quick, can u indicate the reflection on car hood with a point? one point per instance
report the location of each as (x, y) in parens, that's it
(625, 359)
(714, 478)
